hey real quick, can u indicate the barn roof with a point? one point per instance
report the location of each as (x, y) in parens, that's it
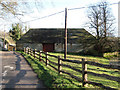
(55, 35)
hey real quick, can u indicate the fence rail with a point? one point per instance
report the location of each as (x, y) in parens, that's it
(38, 55)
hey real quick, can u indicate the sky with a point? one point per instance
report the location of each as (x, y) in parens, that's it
(75, 18)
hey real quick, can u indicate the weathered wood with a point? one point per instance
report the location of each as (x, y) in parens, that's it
(105, 76)
(75, 77)
(84, 74)
(35, 53)
(24, 49)
(59, 65)
(52, 62)
(43, 57)
(103, 65)
(32, 53)
(52, 55)
(40, 54)
(29, 51)
(100, 85)
(65, 41)
(73, 61)
(47, 59)
(37, 57)
(53, 67)
(43, 60)
(64, 65)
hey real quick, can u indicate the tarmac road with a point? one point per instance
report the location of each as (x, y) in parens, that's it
(16, 73)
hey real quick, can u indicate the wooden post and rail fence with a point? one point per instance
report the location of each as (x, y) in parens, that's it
(38, 55)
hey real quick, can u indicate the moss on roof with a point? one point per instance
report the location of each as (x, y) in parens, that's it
(56, 35)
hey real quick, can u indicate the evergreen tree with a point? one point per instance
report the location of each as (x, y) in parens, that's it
(16, 32)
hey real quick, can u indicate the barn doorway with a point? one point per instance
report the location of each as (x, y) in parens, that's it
(48, 47)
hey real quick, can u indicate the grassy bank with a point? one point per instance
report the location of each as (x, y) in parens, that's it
(50, 78)
(53, 80)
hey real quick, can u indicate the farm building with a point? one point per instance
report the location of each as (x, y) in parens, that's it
(52, 39)
(9, 42)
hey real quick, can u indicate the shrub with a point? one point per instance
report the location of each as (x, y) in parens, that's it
(111, 55)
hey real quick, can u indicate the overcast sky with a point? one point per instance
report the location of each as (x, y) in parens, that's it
(76, 18)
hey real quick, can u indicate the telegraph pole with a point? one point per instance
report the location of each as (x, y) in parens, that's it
(65, 43)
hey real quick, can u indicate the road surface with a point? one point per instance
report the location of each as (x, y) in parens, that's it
(16, 73)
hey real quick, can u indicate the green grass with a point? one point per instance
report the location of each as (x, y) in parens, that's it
(65, 81)
(99, 70)
(111, 55)
(51, 78)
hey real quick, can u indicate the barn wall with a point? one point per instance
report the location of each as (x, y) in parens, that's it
(58, 47)
(70, 47)
(33, 46)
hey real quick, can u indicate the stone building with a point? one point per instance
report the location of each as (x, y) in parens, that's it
(52, 39)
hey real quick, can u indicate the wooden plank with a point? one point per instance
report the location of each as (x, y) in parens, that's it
(64, 65)
(43, 60)
(105, 76)
(52, 55)
(40, 54)
(24, 49)
(43, 57)
(100, 85)
(53, 62)
(73, 61)
(46, 59)
(53, 67)
(103, 65)
(73, 76)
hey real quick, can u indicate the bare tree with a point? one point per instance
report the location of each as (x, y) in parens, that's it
(18, 8)
(7, 7)
(102, 21)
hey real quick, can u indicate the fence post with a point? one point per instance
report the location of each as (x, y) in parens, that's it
(40, 55)
(28, 50)
(59, 65)
(31, 52)
(24, 49)
(46, 58)
(35, 53)
(84, 70)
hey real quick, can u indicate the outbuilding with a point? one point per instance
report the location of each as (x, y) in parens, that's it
(52, 39)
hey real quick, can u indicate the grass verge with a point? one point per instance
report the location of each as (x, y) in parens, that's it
(53, 80)
(50, 78)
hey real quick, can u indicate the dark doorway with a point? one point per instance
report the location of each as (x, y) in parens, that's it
(48, 47)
